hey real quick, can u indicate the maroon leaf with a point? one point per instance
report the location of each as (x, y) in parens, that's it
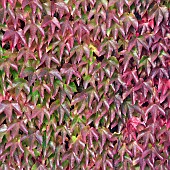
(69, 70)
(53, 22)
(15, 37)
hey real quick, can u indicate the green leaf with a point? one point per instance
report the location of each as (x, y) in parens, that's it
(75, 120)
(143, 60)
(27, 8)
(65, 163)
(83, 119)
(113, 58)
(87, 78)
(35, 95)
(73, 87)
(108, 31)
(19, 80)
(105, 3)
(92, 48)
(74, 138)
(44, 141)
(1, 51)
(37, 153)
(14, 73)
(49, 48)
(34, 167)
(66, 1)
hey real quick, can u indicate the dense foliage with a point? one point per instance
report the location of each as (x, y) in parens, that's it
(85, 84)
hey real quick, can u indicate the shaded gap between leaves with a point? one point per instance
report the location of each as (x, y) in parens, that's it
(66, 145)
(109, 156)
(162, 116)
(62, 63)
(92, 124)
(113, 53)
(67, 142)
(20, 132)
(114, 129)
(146, 104)
(96, 83)
(133, 82)
(120, 91)
(80, 87)
(168, 149)
(137, 15)
(3, 116)
(152, 5)
(92, 17)
(26, 78)
(88, 8)
(56, 15)
(149, 115)
(22, 24)
(51, 101)
(120, 48)
(100, 59)
(132, 62)
(71, 18)
(6, 46)
(72, 107)
(36, 126)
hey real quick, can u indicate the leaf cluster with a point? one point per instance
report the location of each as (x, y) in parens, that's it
(85, 84)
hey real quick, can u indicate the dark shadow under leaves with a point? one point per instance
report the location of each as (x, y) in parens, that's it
(115, 129)
(138, 17)
(146, 104)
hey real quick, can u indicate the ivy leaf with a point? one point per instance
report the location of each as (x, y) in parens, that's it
(62, 8)
(8, 62)
(16, 16)
(27, 53)
(160, 13)
(39, 112)
(143, 60)
(14, 144)
(84, 4)
(8, 107)
(53, 22)
(30, 73)
(15, 38)
(69, 70)
(66, 27)
(78, 98)
(80, 50)
(79, 29)
(107, 46)
(18, 85)
(128, 20)
(41, 87)
(73, 87)
(140, 42)
(47, 58)
(112, 16)
(63, 42)
(14, 129)
(74, 139)
(32, 28)
(55, 73)
(33, 4)
(154, 109)
(115, 29)
(110, 65)
(120, 4)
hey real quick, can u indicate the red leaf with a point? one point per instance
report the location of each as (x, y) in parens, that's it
(56, 73)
